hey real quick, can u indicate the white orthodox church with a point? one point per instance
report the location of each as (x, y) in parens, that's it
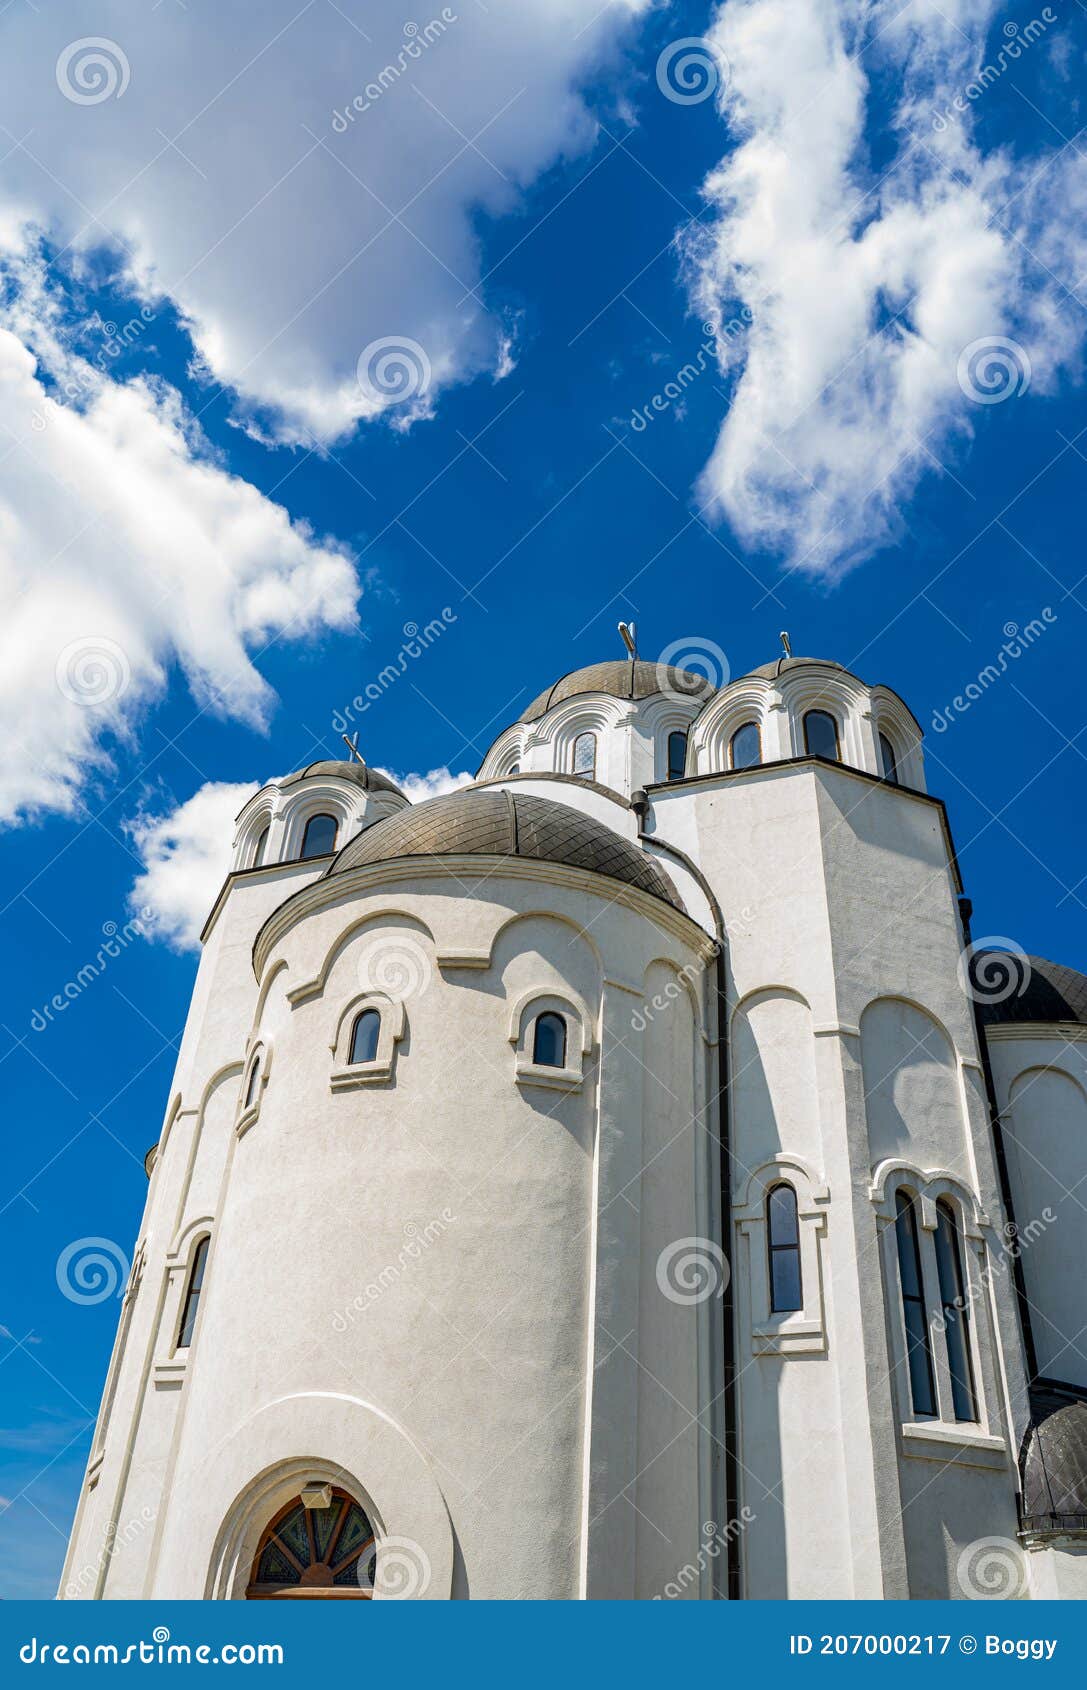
(618, 1179)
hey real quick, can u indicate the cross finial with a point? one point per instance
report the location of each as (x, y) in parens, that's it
(352, 745)
(786, 647)
(628, 633)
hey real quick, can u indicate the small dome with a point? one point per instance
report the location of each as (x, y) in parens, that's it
(504, 824)
(1055, 1468)
(1050, 993)
(371, 780)
(621, 679)
(771, 671)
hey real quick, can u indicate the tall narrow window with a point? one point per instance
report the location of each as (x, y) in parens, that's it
(549, 1041)
(783, 1241)
(677, 755)
(254, 1082)
(956, 1316)
(888, 765)
(745, 747)
(918, 1349)
(364, 1036)
(585, 756)
(261, 850)
(192, 1295)
(821, 735)
(319, 838)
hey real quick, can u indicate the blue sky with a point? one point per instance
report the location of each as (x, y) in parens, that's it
(858, 496)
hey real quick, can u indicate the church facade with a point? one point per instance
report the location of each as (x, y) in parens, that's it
(621, 1178)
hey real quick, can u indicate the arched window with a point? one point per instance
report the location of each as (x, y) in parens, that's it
(254, 1082)
(323, 1552)
(783, 1242)
(821, 735)
(585, 756)
(549, 1041)
(956, 1314)
(677, 755)
(516, 769)
(887, 763)
(319, 838)
(262, 846)
(918, 1348)
(364, 1036)
(745, 747)
(192, 1295)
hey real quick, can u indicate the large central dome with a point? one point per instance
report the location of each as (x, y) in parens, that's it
(504, 824)
(621, 679)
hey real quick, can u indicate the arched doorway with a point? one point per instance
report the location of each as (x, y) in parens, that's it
(323, 1552)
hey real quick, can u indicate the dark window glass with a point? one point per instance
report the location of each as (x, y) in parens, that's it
(918, 1349)
(516, 770)
(251, 1088)
(745, 748)
(888, 766)
(549, 1041)
(821, 735)
(585, 756)
(319, 838)
(956, 1315)
(364, 1036)
(262, 846)
(677, 755)
(192, 1295)
(316, 1551)
(783, 1237)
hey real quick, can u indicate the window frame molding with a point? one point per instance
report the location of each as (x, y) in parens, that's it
(257, 1050)
(171, 1364)
(580, 1038)
(802, 1331)
(941, 1437)
(748, 722)
(349, 1076)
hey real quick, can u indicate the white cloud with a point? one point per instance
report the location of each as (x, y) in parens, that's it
(866, 283)
(300, 182)
(186, 852)
(418, 788)
(186, 855)
(125, 549)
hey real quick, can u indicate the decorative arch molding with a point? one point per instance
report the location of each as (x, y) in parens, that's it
(314, 797)
(547, 997)
(260, 813)
(362, 1451)
(772, 990)
(315, 987)
(1034, 1070)
(263, 994)
(185, 1238)
(346, 1075)
(891, 717)
(802, 1331)
(484, 957)
(507, 750)
(812, 1192)
(922, 1009)
(682, 972)
(928, 1185)
(843, 697)
(172, 1113)
(258, 1052)
(751, 699)
(588, 712)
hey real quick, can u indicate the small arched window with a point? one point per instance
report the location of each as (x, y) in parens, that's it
(254, 1082)
(888, 765)
(915, 1313)
(585, 756)
(677, 755)
(745, 747)
(319, 839)
(192, 1295)
(364, 1036)
(549, 1041)
(316, 1552)
(262, 847)
(821, 735)
(783, 1243)
(956, 1313)
(516, 769)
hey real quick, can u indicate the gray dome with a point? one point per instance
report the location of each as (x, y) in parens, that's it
(621, 679)
(771, 671)
(504, 824)
(1054, 1468)
(359, 773)
(1051, 992)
